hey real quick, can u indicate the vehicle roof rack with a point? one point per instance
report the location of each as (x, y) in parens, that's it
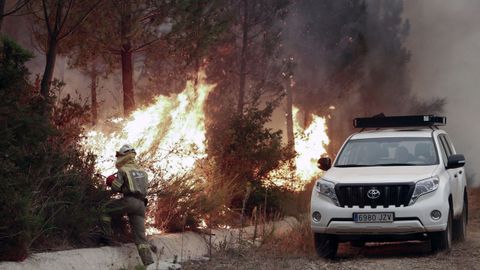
(382, 121)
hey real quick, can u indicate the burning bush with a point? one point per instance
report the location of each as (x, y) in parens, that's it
(177, 204)
(225, 185)
(235, 178)
(246, 152)
(49, 196)
(188, 202)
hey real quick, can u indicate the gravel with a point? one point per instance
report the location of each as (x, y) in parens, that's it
(401, 255)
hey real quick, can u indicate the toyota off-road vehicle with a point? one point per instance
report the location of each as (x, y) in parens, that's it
(399, 178)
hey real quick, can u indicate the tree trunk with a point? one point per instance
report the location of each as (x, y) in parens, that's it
(243, 59)
(2, 10)
(244, 207)
(93, 92)
(307, 119)
(196, 79)
(289, 115)
(127, 80)
(49, 67)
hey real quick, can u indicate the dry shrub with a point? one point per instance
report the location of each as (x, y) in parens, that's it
(299, 241)
(176, 204)
(296, 203)
(189, 202)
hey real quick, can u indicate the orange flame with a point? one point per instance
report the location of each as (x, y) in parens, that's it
(310, 142)
(170, 133)
(172, 126)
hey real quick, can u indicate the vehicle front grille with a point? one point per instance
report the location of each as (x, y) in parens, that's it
(390, 194)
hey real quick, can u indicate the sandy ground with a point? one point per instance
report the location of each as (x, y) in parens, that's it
(402, 255)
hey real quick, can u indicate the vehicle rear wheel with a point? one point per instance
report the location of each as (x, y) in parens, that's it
(441, 241)
(326, 245)
(460, 224)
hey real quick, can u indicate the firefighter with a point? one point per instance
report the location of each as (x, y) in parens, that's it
(132, 182)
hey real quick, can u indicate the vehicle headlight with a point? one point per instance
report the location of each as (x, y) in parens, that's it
(327, 189)
(423, 187)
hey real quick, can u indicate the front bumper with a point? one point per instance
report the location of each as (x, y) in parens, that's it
(408, 220)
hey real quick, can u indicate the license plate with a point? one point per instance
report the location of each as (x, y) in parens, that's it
(384, 217)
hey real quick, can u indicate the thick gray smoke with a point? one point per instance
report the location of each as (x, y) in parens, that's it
(445, 44)
(395, 57)
(351, 55)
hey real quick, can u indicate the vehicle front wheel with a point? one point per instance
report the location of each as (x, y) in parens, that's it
(326, 245)
(441, 241)
(460, 224)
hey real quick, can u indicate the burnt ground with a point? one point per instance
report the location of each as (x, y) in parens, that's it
(400, 255)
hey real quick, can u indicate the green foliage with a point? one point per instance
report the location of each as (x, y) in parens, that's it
(245, 152)
(240, 147)
(240, 159)
(263, 79)
(49, 195)
(199, 24)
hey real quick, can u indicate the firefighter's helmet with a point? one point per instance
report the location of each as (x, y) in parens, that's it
(125, 149)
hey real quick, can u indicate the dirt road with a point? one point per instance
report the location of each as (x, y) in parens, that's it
(405, 255)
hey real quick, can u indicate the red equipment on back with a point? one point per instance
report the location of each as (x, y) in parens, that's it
(110, 179)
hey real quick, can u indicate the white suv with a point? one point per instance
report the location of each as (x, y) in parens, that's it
(401, 180)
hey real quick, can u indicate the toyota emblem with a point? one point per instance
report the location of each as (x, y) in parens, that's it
(373, 193)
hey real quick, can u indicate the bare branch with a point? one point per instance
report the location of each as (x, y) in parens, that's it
(113, 51)
(19, 5)
(45, 14)
(24, 14)
(149, 15)
(145, 45)
(254, 35)
(65, 17)
(58, 16)
(259, 22)
(80, 21)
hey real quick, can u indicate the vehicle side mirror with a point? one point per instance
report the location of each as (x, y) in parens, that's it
(324, 163)
(455, 161)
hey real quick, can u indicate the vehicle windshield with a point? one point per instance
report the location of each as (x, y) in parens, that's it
(388, 152)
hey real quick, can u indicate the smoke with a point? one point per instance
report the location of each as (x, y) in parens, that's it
(351, 55)
(445, 46)
(77, 85)
(362, 58)
(397, 57)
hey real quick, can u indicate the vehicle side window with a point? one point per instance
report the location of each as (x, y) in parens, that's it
(443, 150)
(445, 144)
(449, 144)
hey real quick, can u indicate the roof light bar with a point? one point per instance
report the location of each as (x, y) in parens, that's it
(380, 121)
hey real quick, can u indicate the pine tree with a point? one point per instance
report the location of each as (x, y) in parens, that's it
(198, 27)
(54, 21)
(83, 53)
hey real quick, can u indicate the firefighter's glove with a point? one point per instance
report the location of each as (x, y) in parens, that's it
(110, 179)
